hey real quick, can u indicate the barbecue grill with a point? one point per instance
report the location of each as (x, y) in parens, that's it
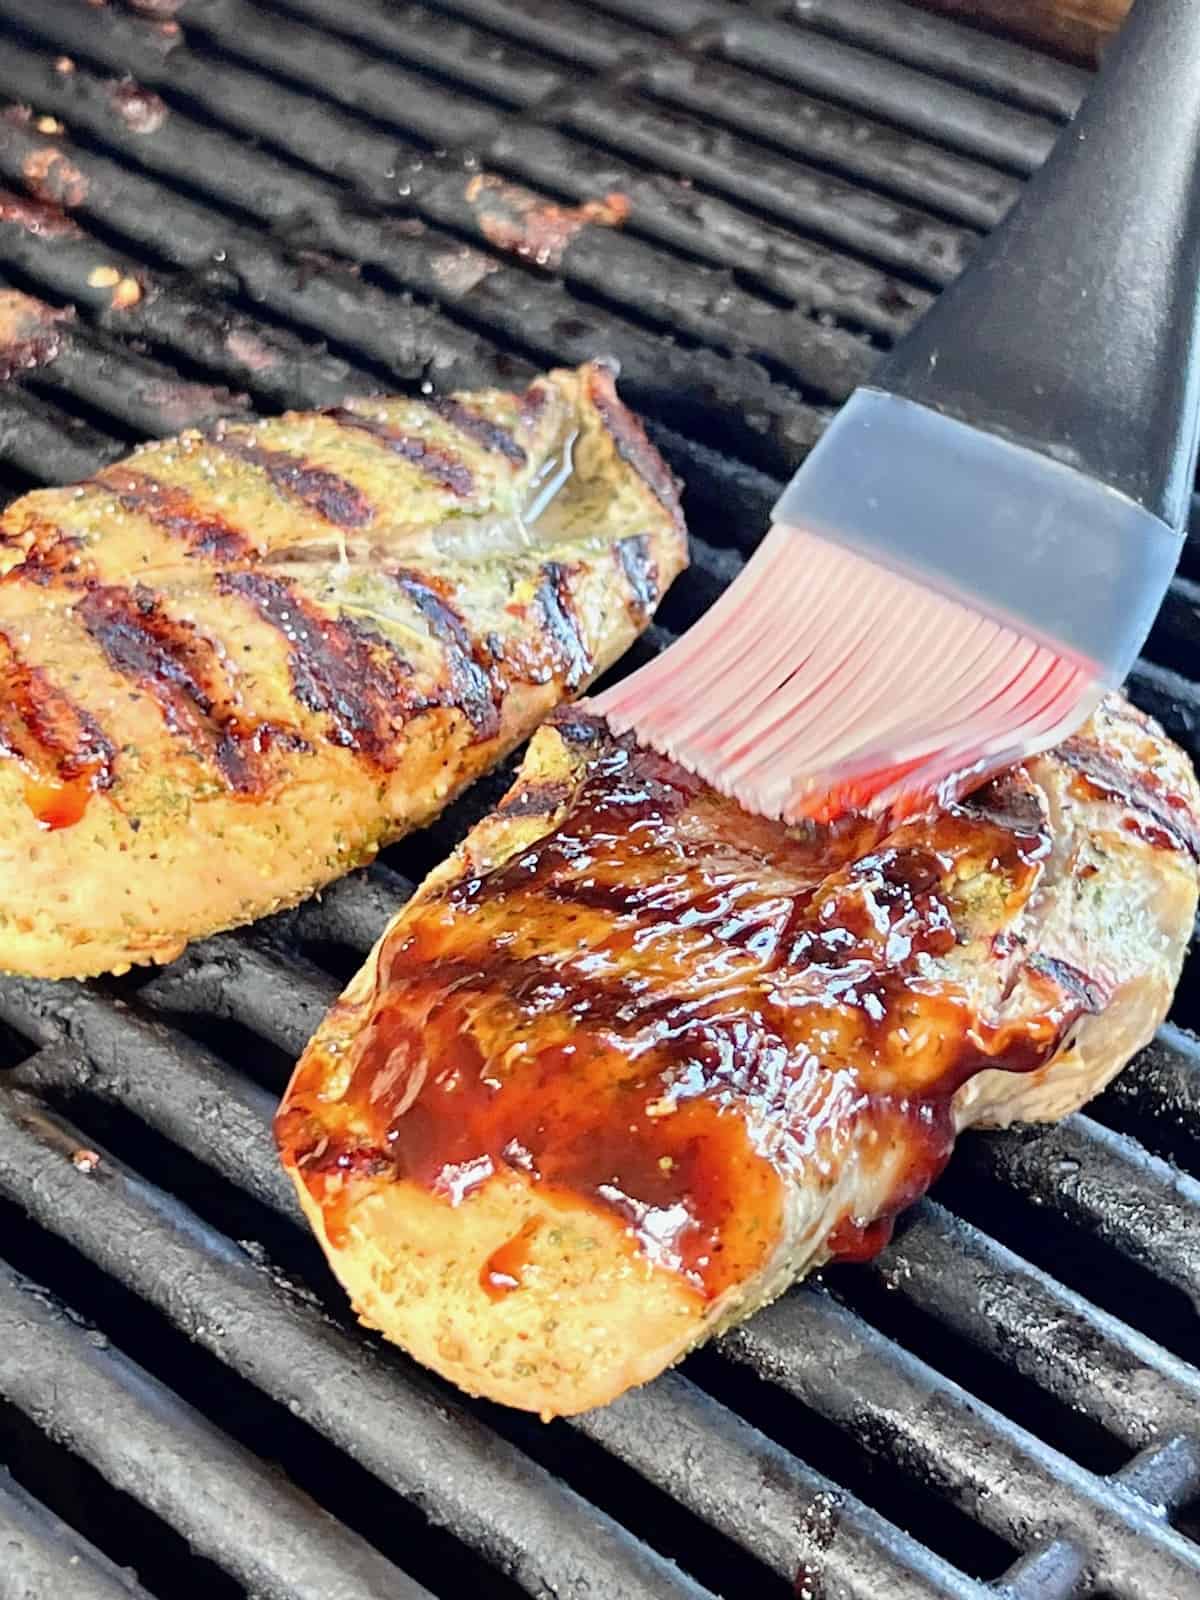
(271, 205)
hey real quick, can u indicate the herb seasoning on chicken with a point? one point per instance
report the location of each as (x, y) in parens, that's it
(236, 664)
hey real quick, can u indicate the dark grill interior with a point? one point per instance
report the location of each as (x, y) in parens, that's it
(300, 197)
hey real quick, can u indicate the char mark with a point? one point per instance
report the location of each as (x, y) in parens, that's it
(1087, 994)
(573, 660)
(641, 573)
(52, 556)
(45, 731)
(470, 682)
(181, 670)
(1008, 802)
(578, 729)
(333, 498)
(631, 442)
(536, 799)
(438, 463)
(340, 669)
(1144, 795)
(201, 532)
(482, 430)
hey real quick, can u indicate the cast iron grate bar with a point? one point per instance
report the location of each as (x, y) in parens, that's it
(340, 140)
(891, 28)
(810, 60)
(421, 1444)
(405, 341)
(147, 1442)
(708, 1458)
(699, 301)
(164, 1075)
(47, 1557)
(97, 1025)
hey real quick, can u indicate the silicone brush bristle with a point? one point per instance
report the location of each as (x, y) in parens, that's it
(822, 682)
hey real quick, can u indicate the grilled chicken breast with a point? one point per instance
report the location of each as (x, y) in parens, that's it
(236, 664)
(632, 1061)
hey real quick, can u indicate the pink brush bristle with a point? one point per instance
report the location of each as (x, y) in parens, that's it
(821, 682)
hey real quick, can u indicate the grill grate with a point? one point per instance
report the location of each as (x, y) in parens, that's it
(1004, 1404)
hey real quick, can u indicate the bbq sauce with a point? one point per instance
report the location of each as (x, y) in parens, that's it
(63, 756)
(501, 1273)
(59, 805)
(669, 1011)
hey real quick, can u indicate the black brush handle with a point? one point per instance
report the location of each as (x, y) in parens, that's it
(1074, 328)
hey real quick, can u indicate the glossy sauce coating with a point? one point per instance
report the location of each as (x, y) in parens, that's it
(668, 1009)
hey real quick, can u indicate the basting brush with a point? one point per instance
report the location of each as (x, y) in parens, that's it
(976, 549)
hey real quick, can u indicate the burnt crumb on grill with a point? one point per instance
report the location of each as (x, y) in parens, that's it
(528, 225)
(459, 271)
(39, 217)
(250, 351)
(310, 264)
(31, 332)
(437, 462)
(557, 606)
(141, 110)
(331, 497)
(53, 177)
(641, 574)
(181, 405)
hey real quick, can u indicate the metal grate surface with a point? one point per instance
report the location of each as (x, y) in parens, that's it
(293, 199)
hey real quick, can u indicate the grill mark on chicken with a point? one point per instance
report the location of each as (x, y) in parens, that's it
(471, 685)
(535, 799)
(436, 461)
(632, 445)
(1091, 996)
(333, 498)
(531, 403)
(480, 429)
(202, 532)
(1157, 814)
(183, 672)
(50, 556)
(62, 749)
(339, 668)
(641, 574)
(556, 603)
